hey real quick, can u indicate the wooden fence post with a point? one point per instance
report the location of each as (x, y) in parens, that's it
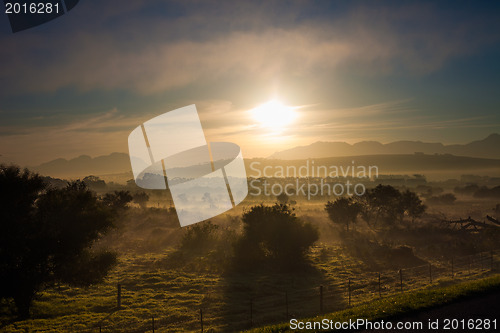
(401, 278)
(286, 303)
(321, 299)
(379, 287)
(452, 269)
(201, 319)
(349, 289)
(251, 312)
(491, 260)
(119, 296)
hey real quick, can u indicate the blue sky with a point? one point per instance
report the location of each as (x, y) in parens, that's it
(385, 71)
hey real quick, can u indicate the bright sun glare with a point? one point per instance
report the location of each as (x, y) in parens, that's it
(274, 114)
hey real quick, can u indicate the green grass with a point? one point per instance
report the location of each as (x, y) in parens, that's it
(406, 303)
(173, 291)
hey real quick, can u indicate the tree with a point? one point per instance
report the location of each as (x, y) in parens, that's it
(46, 236)
(94, 182)
(141, 198)
(444, 199)
(343, 211)
(389, 204)
(383, 201)
(274, 233)
(118, 200)
(412, 205)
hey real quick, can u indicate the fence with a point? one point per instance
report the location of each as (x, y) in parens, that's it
(295, 303)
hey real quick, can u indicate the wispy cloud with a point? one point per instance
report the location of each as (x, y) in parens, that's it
(192, 51)
(367, 40)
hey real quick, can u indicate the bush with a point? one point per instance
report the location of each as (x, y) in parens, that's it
(274, 234)
(466, 190)
(445, 199)
(485, 192)
(199, 237)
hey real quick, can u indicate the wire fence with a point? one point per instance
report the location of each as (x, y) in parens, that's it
(282, 305)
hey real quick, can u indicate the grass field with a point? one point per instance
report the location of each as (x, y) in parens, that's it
(403, 304)
(158, 282)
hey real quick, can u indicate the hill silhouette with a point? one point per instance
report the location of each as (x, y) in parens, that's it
(486, 148)
(84, 165)
(400, 156)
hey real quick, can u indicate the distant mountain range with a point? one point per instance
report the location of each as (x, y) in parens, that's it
(392, 157)
(85, 165)
(486, 148)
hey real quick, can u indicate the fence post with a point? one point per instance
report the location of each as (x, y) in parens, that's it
(251, 312)
(379, 287)
(452, 269)
(430, 272)
(100, 328)
(201, 319)
(321, 299)
(401, 278)
(491, 260)
(349, 288)
(286, 303)
(119, 296)
(153, 322)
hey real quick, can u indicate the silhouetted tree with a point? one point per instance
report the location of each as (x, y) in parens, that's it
(389, 204)
(118, 200)
(343, 211)
(46, 236)
(485, 192)
(94, 182)
(412, 205)
(141, 198)
(469, 189)
(274, 233)
(444, 199)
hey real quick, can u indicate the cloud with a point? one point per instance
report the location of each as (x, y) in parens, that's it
(161, 54)
(99, 134)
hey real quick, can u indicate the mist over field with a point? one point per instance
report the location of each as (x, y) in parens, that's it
(408, 221)
(226, 166)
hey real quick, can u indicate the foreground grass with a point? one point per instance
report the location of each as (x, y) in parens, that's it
(403, 304)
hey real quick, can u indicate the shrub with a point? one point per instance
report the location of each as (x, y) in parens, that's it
(445, 199)
(274, 234)
(199, 237)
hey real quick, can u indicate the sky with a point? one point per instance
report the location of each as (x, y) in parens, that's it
(350, 71)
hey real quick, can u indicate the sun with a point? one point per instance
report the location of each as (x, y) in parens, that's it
(274, 115)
